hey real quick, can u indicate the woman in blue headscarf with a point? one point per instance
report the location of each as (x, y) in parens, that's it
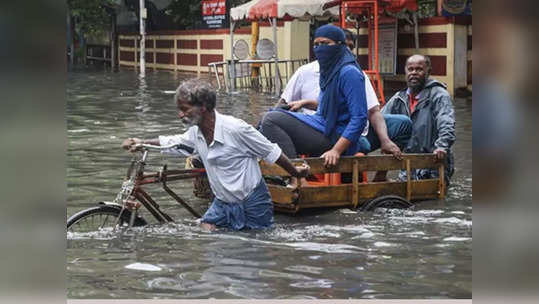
(341, 115)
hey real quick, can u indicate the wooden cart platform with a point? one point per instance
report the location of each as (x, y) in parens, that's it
(356, 193)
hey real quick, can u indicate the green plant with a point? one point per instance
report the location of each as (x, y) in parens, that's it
(187, 14)
(91, 17)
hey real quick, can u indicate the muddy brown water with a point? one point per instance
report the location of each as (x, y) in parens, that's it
(425, 252)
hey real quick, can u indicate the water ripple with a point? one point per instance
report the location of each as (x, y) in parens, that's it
(325, 254)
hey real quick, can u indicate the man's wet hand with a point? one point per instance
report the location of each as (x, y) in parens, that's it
(331, 157)
(440, 153)
(295, 105)
(303, 170)
(390, 147)
(131, 144)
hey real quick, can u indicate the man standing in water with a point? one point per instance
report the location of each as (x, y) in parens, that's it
(229, 149)
(427, 102)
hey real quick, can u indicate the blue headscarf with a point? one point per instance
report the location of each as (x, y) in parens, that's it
(331, 59)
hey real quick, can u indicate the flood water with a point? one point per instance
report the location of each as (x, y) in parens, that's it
(425, 252)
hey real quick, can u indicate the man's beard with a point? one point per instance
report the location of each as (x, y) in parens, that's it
(417, 85)
(191, 121)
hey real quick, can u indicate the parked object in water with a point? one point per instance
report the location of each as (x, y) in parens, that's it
(123, 211)
(346, 184)
(336, 192)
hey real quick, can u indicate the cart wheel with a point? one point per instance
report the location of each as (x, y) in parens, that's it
(387, 201)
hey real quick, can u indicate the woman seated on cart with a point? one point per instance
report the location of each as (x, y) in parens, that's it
(341, 116)
(388, 132)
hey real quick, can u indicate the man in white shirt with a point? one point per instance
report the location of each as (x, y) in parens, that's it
(302, 88)
(229, 149)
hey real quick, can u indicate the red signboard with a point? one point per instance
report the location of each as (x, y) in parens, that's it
(213, 7)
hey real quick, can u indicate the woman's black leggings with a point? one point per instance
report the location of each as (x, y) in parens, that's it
(293, 136)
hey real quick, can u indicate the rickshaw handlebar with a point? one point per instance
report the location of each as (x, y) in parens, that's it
(173, 146)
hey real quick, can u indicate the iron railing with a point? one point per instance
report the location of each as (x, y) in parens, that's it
(239, 74)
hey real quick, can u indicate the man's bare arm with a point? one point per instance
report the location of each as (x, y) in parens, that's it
(379, 125)
(284, 162)
(304, 103)
(130, 143)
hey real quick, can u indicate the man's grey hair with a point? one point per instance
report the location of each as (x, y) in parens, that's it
(427, 62)
(197, 92)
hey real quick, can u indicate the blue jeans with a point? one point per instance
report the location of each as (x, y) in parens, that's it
(254, 212)
(399, 130)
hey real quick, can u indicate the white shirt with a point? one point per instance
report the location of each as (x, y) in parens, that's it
(372, 100)
(231, 160)
(305, 84)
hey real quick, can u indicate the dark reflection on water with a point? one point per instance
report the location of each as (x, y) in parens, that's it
(419, 253)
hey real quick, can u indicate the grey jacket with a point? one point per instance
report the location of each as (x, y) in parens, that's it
(433, 120)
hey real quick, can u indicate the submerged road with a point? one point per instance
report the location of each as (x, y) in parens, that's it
(334, 253)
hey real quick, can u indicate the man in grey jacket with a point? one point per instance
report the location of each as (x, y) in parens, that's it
(429, 106)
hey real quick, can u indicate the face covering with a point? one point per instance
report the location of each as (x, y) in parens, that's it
(328, 55)
(331, 59)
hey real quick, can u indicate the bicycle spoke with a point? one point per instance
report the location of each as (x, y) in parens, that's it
(106, 219)
(97, 219)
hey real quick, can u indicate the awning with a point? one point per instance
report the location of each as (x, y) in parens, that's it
(398, 5)
(302, 9)
(389, 5)
(241, 12)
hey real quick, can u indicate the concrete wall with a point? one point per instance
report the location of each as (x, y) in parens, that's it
(460, 54)
(188, 51)
(446, 40)
(469, 56)
(191, 50)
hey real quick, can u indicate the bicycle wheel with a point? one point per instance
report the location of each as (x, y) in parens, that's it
(100, 217)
